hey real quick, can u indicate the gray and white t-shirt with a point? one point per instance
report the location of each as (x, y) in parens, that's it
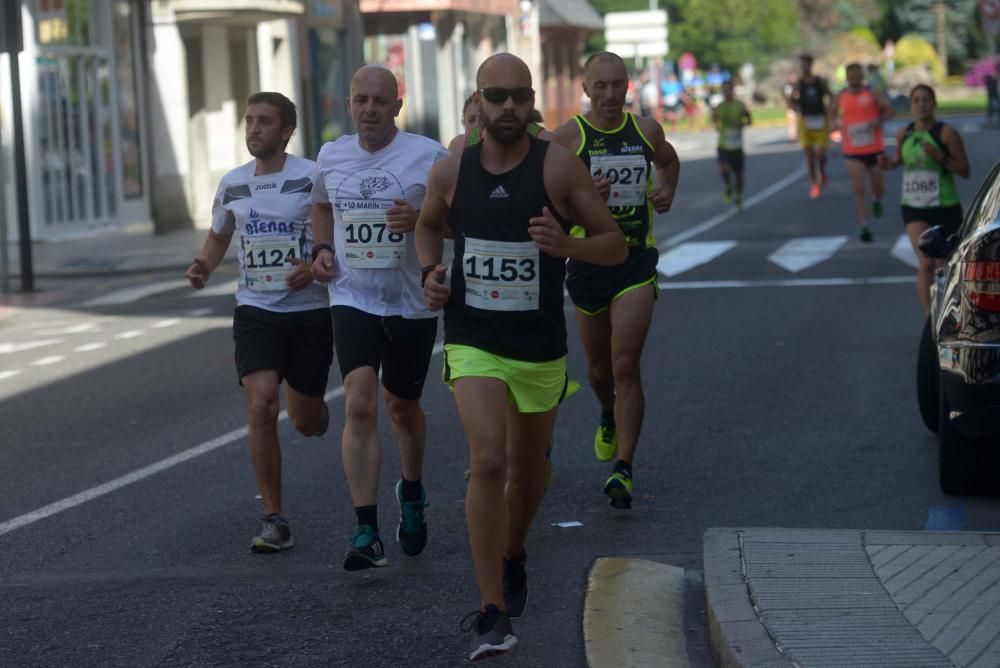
(377, 271)
(272, 215)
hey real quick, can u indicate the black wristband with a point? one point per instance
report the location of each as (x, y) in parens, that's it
(425, 272)
(321, 247)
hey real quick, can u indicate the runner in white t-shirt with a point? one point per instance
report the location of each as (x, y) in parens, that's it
(282, 324)
(369, 189)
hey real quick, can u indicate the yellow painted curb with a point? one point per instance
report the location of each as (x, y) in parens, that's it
(634, 615)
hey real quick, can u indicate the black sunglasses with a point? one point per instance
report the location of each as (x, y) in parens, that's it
(500, 95)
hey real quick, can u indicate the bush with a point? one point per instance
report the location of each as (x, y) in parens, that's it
(865, 34)
(915, 51)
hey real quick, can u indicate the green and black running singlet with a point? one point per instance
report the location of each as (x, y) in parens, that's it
(625, 155)
(506, 295)
(927, 184)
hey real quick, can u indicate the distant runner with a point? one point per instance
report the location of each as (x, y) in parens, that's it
(729, 118)
(810, 97)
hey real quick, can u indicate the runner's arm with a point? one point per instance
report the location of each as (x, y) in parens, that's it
(885, 108)
(431, 229)
(572, 191)
(457, 145)
(956, 160)
(747, 118)
(897, 159)
(834, 111)
(666, 163)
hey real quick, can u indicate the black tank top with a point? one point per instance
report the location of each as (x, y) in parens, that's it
(811, 98)
(506, 295)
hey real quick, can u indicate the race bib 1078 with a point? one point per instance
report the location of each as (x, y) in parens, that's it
(368, 241)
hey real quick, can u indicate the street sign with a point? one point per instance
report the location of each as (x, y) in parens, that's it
(636, 34)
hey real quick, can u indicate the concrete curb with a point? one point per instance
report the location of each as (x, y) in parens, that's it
(738, 638)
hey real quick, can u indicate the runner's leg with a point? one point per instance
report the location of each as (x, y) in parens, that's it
(482, 407)
(925, 270)
(307, 414)
(631, 315)
(409, 424)
(360, 450)
(528, 436)
(263, 405)
(595, 333)
(859, 176)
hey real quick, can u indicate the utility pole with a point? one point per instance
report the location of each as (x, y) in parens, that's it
(11, 42)
(941, 14)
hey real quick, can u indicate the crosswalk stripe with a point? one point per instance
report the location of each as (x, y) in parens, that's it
(903, 251)
(804, 252)
(689, 255)
(7, 348)
(127, 295)
(219, 290)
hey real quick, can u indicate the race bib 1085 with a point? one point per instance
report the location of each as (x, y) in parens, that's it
(921, 188)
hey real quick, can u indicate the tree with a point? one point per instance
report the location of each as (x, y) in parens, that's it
(918, 17)
(731, 32)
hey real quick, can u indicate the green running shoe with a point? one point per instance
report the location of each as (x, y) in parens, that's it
(365, 550)
(411, 534)
(606, 441)
(618, 488)
(866, 234)
(877, 208)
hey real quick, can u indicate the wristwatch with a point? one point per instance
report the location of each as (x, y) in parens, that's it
(321, 247)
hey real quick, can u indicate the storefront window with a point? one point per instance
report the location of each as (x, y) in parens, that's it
(64, 22)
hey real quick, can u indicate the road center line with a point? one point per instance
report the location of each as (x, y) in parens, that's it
(147, 471)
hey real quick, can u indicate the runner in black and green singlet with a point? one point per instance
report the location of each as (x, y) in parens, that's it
(621, 151)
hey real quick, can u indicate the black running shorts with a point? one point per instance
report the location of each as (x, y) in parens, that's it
(593, 287)
(734, 159)
(298, 345)
(401, 347)
(948, 217)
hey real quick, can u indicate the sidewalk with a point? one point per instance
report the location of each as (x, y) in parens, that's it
(115, 252)
(799, 597)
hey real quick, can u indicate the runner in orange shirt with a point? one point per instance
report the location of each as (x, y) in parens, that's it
(858, 112)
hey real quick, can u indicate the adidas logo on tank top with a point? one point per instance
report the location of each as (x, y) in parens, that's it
(499, 193)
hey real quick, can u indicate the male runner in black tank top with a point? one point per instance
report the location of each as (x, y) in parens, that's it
(811, 99)
(505, 201)
(620, 147)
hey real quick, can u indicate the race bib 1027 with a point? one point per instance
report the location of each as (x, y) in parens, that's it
(628, 175)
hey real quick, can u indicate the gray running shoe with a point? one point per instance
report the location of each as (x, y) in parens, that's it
(275, 535)
(492, 633)
(365, 550)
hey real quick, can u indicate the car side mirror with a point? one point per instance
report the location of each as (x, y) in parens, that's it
(935, 243)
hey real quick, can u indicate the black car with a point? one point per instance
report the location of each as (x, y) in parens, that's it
(958, 367)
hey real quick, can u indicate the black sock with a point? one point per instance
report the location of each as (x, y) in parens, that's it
(411, 490)
(608, 418)
(624, 468)
(367, 515)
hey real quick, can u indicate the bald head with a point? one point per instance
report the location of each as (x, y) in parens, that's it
(374, 105)
(375, 78)
(503, 70)
(604, 58)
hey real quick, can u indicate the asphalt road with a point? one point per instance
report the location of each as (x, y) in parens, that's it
(774, 398)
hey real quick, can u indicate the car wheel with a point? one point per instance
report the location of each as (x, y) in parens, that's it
(954, 453)
(928, 373)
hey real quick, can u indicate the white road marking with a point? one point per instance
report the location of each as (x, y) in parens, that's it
(726, 215)
(903, 251)
(198, 312)
(219, 290)
(804, 252)
(88, 347)
(130, 334)
(786, 283)
(127, 295)
(687, 256)
(168, 322)
(4, 375)
(7, 348)
(46, 361)
(81, 328)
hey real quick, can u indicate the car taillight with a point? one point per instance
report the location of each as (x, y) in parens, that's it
(982, 284)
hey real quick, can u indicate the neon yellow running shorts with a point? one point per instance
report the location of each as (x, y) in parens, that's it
(533, 387)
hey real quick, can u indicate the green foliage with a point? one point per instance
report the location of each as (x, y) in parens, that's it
(918, 17)
(913, 50)
(865, 34)
(730, 32)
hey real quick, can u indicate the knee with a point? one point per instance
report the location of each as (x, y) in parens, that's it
(360, 408)
(489, 463)
(404, 413)
(263, 410)
(307, 425)
(599, 373)
(626, 368)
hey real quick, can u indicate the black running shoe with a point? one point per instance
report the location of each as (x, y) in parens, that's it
(365, 550)
(411, 534)
(515, 585)
(492, 633)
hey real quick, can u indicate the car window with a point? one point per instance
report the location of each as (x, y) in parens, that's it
(985, 207)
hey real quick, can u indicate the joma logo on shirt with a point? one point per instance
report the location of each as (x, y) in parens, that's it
(265, 186)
